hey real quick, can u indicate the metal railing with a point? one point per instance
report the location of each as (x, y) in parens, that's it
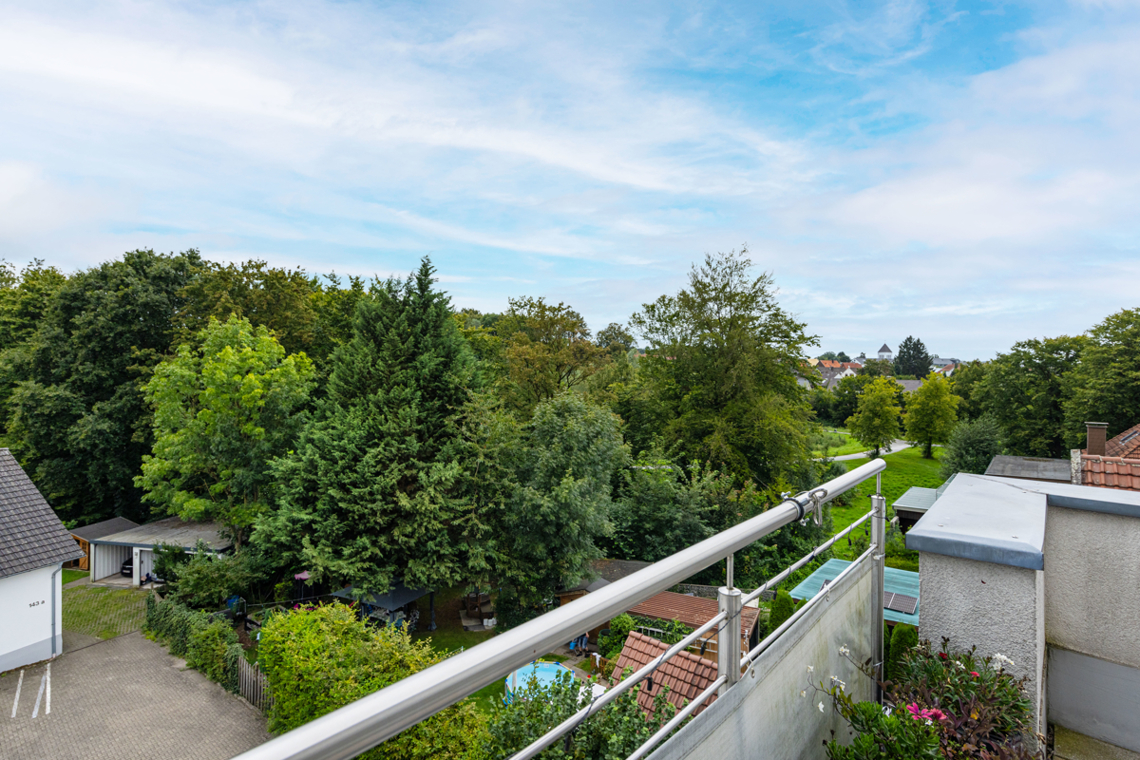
(361, 725)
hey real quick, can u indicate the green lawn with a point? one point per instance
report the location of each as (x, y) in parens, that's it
(449, 636)
(851, 447)
(73, 575)
(103, 612)
(905, 469)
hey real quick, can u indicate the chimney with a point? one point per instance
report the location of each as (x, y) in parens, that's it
(1094, 444)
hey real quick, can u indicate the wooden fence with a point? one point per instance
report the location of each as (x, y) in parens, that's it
(254, 686)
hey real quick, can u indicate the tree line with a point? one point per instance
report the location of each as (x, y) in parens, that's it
(367, 431)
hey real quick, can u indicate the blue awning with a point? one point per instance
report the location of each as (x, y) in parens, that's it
(894, 581)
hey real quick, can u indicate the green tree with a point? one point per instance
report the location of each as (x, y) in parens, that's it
(223, 410)
(931, 413)
(876, 421)
(966, 381)
(903, 639)
(782, 608)
(661, 510)
(842, 357)
(912, 358)
(615, 339)
(372, 492)
(317, 660)
(24, 301)
(827, 356)
(877, 368)
(1105, 384)
(722, 365)
(972, 446)
(559, 506)
(847, 392)
(1025, 390)
(79, 422)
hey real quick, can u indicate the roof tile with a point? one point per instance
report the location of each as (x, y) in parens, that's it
(686, 675)
(31, 535)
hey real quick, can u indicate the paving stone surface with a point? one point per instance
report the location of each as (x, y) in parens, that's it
(122, 699)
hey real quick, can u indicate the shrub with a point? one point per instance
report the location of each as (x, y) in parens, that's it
(611, 645)
(971, 446)
(904, 639)
(207, 648)
(207, 643)
(207, 580)
(782, 608)
(886, 647)
(884, 736)
(320, 658)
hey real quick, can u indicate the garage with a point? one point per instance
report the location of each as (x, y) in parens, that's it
(109, 553)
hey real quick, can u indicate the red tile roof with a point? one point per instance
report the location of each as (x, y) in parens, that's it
(1126, 445)
(693, 611)
(684, 673)
(1110, 472)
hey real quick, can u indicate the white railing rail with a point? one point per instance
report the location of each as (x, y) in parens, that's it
(361, 725)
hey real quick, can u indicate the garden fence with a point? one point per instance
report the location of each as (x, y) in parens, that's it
(254, 686)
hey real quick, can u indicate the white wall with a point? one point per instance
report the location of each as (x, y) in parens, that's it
(26, 609)
(107, 560)
(764, 717)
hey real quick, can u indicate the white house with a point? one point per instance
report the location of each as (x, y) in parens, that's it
(33, 547)
(886, 353)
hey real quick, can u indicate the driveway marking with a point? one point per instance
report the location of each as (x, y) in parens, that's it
(43, 680)
(47, 704)
(16, 701)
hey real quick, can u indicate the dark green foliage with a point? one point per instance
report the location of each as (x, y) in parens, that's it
(846, 397)
(722, 369)
(972, 446)
(207, 580)
(79, 423)
(886, 647)
(904, 639)
(879, 736)
(611, 645)
(912, 358)
(1025, 391)
(614, 732)
(823, 405)
(783, 606)
(1105, 385)
(209, 644)
(168, 562)
(660, 510)
(322, 658)
(965, 381)
(370, 495)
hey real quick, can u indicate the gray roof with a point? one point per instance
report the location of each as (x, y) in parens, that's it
(1031, 468)
(917, 499)
(172, 530)
(31, 535)
(105, 528)
(910, 386)
(885, 349)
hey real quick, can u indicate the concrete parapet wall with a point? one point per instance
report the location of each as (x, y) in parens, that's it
(997, 608)
(1092, 584)
(764, 717)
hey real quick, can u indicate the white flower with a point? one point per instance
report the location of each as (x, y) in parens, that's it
(843, 650)
(835, 681)
(1003, 659)
(929, 722)
(803, 693)
(821, 706)
(960, 665)
(811, 668)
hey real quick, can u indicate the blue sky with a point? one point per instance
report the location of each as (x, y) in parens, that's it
(968, 173)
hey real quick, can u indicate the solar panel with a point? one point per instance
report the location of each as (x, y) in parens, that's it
(900, 603)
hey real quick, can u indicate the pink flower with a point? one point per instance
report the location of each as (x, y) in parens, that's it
(974, 673)
(935, 714)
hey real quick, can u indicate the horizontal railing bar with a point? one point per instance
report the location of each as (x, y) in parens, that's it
(370, 720)
(756, 651)
(804, 560)
(677, 719)
(637, 676)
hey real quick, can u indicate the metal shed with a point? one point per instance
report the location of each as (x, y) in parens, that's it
(108, 553)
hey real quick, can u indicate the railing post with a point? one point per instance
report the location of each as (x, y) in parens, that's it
(878, 560)
(728, 637)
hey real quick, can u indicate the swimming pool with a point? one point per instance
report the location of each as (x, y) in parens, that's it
(544, 672)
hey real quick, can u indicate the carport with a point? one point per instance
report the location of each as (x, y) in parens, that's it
(138, 544)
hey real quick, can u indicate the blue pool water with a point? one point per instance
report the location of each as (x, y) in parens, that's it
(544, 672)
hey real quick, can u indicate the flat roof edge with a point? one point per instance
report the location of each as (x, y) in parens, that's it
(997, 552)
(1076, 501)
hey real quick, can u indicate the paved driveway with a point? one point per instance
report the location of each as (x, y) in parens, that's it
(122, 699)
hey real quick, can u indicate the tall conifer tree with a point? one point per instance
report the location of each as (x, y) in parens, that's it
(370, 493)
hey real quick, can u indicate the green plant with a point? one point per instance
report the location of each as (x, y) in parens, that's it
(168, 562)
(882, 735)
(972, 446)
(904, 639)
(611, 645)
(783, 606)
(207, 580)
(206, 650)
(209, 644)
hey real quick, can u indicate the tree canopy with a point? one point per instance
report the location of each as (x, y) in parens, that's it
(1104, 386)
(876, 420)
(912, 358)
(931, 413)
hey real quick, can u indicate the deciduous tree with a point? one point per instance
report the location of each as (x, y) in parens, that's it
(1105, 385)
(931, 412)
(223, 410)
(876, 422)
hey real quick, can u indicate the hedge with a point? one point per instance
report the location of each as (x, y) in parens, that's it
(208, 643)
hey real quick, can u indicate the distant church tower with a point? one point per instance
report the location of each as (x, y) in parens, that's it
(886, 353)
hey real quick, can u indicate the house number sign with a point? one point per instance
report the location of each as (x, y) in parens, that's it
(37, 604)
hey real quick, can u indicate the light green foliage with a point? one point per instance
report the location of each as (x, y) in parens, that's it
(1025, 392)
(168, 562)
(879, 736)
(611, 645)
(559, 505)
(972, 446)
(223, 409)
(876, 421)
(873, 368)
(782, 608)
(912, 358)
(903, 639)
(207, 649)
(24, 300)
(612, 733)
(79, 423)
(207, 580)
(1105, 385)
(209, 644)
(931, 412)
(322, 658)
(721, 370)
(374, 491)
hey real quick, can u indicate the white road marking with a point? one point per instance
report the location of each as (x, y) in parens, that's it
(47, 702)
(16, 701)
(36, 710)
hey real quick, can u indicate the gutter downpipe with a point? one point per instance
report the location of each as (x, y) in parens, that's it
(58, 570)
(361, 725)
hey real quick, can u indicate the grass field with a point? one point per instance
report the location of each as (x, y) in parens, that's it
(449, 636)
(103, 612)
(73, 575)
(851, 447)
(905, 469)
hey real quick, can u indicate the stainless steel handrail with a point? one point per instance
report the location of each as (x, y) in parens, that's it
(361, 725)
